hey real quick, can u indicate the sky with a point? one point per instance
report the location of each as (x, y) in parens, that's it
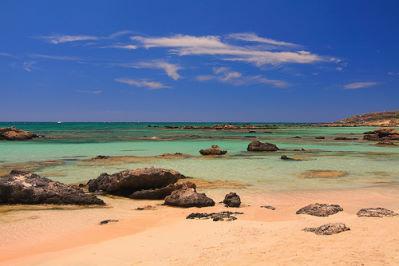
(261, 61)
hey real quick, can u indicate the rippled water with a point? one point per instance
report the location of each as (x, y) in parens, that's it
(72, 143)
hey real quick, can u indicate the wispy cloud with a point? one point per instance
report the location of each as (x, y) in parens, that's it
(360, 85)
(121, 46)
(94, 92)
(252, 37)
(170, 69)
(55, 57)
(7, 55)
(226, 75)
(28, 65)
(65, 38)
(142, 83)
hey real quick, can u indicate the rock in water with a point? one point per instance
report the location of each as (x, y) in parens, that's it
(232, 200)
(188, 197)
(321, 210)
(328, 229)
(12, 133)
(382, 134)
(129, 181)
(260, 146)
(160, 193)
(376, 212)
(21, 187)
(215, 216)
(214, 150)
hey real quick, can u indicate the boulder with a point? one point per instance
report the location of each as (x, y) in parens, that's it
(129, 181)
(376, 212)
(20, 187)
(215, 216)
(232, 200)
(261, 146)
(12, 133)
(160, 193)
(328, 229)
(214, 150)
(321, 210)
(188, 197)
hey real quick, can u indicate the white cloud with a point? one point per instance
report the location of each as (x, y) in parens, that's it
(122, 46)
(170, 69)
(142, 83)
(252, 37)
(55, 57)
(57, 39)
(28, 65)
(360, 85)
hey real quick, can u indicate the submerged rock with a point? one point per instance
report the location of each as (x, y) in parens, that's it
(129, 181)
(21, 187)
(215, 216)
(12, 133)
(187, 198)
(261, 146)
(376, 212)
(160, 193)
(232, 200)
(328, 229)
(321, 210)
(214, 150)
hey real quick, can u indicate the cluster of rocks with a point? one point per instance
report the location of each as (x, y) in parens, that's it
(383, 134)
(215, 216)
(213, 150)
(12, 133)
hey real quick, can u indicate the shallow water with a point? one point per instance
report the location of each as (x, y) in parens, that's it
(72, 143)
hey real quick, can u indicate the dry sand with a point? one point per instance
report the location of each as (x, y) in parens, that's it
(73, 236)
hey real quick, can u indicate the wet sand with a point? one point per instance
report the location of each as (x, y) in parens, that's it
(72, 236)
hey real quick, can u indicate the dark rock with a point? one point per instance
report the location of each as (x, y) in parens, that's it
(21, 187)
(345, 138)
(187, 198)
(376, 212)
(108, 221)
(286, 158)
(252, 131)
(129, 181)
(382, 134)
(232, 200)
(260, 146)
(101, 157)
(145, 208)
(320, 137)
(160, 193)
(12, 133)
(321, 210)
(215, 216)
(328, 229)
(214, 150)
(268, 207)
(297, 137)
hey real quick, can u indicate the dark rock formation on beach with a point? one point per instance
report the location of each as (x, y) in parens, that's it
(286, 158)
(376, 212)
(21, 187)
(215, 216)
(160, 193)
(261, 146)
(187, 198)
(12, 133)
(322, 210)
(382, 134)
(232, 200)
(214, 150)
(129, 181)
(328, 229)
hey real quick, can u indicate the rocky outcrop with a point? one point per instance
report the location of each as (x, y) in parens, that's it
(232, 200)
(380, 119)
(322, 210)
(127, 182)
(382, 134)
(261, 146)
(328, 229)
(12, 133)
(215, 216)
(21, 187)
(187, 198)
(214, 150)
(160, 193)
(376, 212)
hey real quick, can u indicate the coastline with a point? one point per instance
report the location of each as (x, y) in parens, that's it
(72, 236)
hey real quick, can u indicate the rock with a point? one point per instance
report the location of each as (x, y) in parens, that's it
(20, 187)
(345, 138)
(286, 158)
(214, 150)
(251, 131)
(386, 143)
(320, 137)
(146, 208)
(381, 134)
(12, 133)
(129, 181)
(160, 193)
(101, 157)
(268, 207)
(322, 210)
(376, 212)
(328, 229)
(187, 198)
(260, 146)
(232, 200)
(108, 221)
(215, 216)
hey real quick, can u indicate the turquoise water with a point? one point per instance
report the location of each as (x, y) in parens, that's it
(72, 143)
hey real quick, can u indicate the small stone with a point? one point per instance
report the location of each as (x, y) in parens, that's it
(108, 221)
(145, 208)
(328, 229)
(215, 216)
(376, 212)
(268, 207)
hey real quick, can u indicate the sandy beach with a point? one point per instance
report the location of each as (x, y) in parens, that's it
(162, 236)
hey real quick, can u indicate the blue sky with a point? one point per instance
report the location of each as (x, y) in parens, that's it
(291, 61)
